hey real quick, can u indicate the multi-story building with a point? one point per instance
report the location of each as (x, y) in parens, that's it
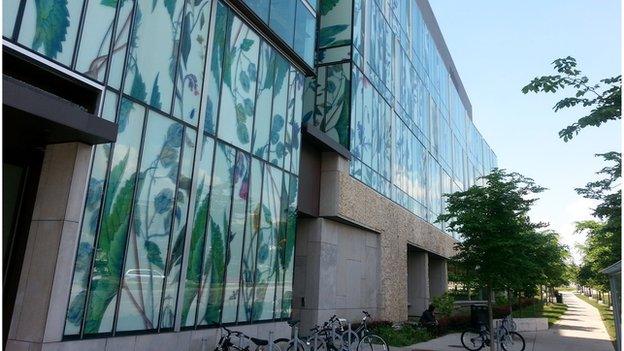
(173, 165)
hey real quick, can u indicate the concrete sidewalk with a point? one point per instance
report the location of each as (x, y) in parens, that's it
(579, 329)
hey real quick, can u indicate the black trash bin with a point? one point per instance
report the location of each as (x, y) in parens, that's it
(559, 297)
(478, 315)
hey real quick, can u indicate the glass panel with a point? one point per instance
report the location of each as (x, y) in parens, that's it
(295, 124)
(115, 219)
(50, 28)
(280, 105)
(153, 49)
(203, 176)
(223, 23)
(120, 43)
(9, 16)
(260, 7)
(190, 73)
(335, 27)
(267, 244)
(335, 121)
(75, 311)
(236, 236)
(289, 249)
(96, 38)
(174, 262)
(282, 19)
(280, 261)
(252, 227)
(236, 110)
(290, 111)
(305, 31)
(211, 289)
(144, 270)
(109, 110)
(264, 96)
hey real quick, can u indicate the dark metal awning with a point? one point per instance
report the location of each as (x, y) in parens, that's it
(35, 116)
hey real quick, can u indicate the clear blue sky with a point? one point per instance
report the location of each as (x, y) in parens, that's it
(498, 47)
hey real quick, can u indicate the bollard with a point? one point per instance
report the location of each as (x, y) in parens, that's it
(271, 340)
(203, 344)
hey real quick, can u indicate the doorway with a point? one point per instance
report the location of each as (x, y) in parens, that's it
(20, 177)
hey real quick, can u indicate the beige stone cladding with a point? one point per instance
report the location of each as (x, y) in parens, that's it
(346, 198)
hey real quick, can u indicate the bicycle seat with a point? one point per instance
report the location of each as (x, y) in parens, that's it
(293, 322)
(259, 342)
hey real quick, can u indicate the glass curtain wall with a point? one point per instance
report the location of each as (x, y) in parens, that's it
(191, 214)
(383, 91)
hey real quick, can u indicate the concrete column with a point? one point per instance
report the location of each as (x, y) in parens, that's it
(417, 282)
(438, 276)
(45, 281)
(332, 165)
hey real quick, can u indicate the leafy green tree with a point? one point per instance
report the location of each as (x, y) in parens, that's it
(603, 98)
(602, 103)
(600, 250)
(496, 231)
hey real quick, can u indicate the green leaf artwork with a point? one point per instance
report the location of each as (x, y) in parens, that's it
(327, 35)
(110, 3)
(327, 5)
(153, 254)
(185, 44)
(246, 44)
(51, 26)
(170, 6)
(137, 90)
(155, 96)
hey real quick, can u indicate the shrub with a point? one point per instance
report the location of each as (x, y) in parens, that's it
(443, 304)
(404, 335)
(453, 324)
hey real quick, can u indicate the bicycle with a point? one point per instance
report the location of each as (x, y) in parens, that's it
(509, 340)
(363, 338)
(225, 342)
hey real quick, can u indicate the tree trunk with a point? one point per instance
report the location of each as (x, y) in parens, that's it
(491, 318)
(509, 300)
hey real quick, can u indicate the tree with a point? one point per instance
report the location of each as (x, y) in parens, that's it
(600, 250)
(495, 249)
(603, 100)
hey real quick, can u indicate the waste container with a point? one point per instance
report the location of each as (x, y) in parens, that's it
(559, 297)
(478, 315)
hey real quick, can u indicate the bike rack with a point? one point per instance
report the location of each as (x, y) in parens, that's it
(296, 338)
(349, 333)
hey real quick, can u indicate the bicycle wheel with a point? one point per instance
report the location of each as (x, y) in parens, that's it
(350, 340)
(319, 345)
(372, 342)
(269, 347)
(472, 340)
(513, 341)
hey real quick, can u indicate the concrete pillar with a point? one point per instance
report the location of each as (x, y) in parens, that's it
(417, 282)
(45, 280)
(438, 276)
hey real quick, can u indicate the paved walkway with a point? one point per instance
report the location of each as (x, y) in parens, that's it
(579, 329)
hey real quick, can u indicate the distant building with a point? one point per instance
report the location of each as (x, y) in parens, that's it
(174, 165)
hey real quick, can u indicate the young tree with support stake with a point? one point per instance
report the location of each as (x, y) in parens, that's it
(496, 232)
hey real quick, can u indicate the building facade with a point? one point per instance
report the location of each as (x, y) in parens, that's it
(173, 165)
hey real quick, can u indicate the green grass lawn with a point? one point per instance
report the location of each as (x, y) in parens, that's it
(605, 313)
(552, 311)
